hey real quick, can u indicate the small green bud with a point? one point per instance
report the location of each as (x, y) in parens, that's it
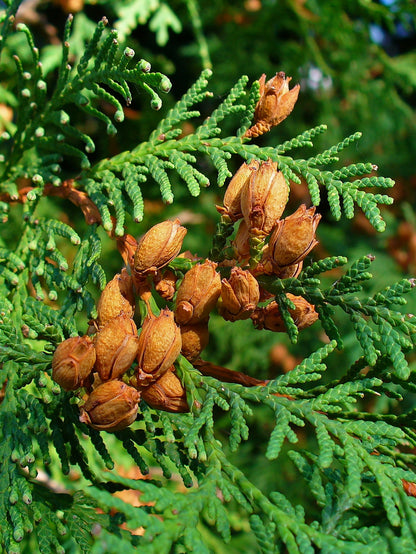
(64, 119)
(129, 52)
(144, 66)
(156, 103)
(165, 85)
(119, 116)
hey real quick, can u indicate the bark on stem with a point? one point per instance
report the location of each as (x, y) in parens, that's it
(65, 190)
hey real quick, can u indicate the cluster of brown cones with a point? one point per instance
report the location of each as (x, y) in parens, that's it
(257, 196)
(102, 360)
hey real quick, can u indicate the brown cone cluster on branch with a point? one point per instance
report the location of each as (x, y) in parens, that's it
(103, 364)
(125, 362)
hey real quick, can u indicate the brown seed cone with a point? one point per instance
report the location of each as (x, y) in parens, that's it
(232, 196)
(275, 104)
(112, 406)
(166, 394)
(269, 317)
(194, 339)
(240, 295)
(293, 237)
(117, 298)
(159, 345)
(198, 293)
(241, 243)
(165, 284)
(116, 344)
(265, 267)
(264, 199)
(72, 362)
(158, 247)
(289, 271)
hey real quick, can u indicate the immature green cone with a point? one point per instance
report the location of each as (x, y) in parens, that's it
(159, 345)
(232, 196)
(158, 247)
(194, 339)
(198, 293)
(293, 237)
(166, 394)
(264, 199)
(117, 298)
(275, 104)
(270, 317)
(72, 362)
(112, 406)
(116, 345)
(240, 295)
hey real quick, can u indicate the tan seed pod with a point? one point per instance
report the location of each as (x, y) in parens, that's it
(240, 295)
(165, 284)
(117, 298)
(112, 406)
(293, 237)
(275, 103)
(194, 339)
(116, 345)
(264, 199)
(158, 247)
(166, 394)
(288, 271)
(241, 243)
(72, 362)
(198, 293)
(270, 317)
(232, 196)
(159, 345)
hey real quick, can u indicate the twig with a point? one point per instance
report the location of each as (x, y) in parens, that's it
(65, 190)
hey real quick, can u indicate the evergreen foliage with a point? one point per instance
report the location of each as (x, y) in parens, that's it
(193, 493)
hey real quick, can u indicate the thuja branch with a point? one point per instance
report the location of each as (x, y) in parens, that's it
(378, 326)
